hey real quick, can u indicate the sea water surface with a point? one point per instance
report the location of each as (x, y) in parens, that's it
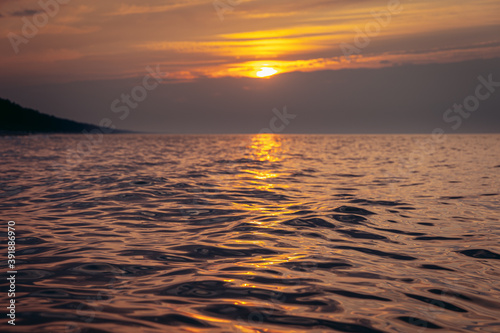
(253, 233)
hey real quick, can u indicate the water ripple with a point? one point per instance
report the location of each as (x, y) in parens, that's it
(264, 233)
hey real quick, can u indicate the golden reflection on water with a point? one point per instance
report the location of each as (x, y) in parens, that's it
(266, 147)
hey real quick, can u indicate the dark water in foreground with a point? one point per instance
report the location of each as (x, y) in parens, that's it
(253, 233)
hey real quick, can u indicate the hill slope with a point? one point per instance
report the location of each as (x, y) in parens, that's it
(15, 119)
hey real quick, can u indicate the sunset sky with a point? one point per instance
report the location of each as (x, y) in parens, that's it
(91, 51)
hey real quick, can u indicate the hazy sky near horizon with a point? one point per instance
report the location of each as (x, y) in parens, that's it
(337, 62)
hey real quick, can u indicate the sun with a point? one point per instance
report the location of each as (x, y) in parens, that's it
(266, 71)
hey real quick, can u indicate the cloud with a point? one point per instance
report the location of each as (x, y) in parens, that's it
(25, 12)
(187, 38)
(125, 9)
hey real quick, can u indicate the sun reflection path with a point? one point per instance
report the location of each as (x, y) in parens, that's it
(266, 147)
(267, 181)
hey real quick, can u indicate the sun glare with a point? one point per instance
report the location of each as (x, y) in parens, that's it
(266, 71)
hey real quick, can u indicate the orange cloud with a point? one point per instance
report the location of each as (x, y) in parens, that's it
(189, 39)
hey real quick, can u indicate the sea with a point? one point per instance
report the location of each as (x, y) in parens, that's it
(250, 233)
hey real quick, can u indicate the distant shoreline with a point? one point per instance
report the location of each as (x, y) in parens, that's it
(27, 133)
(19, 121)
